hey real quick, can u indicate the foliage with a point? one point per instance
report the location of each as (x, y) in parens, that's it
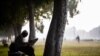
(44, 9)
(72, 7)
(14, 12)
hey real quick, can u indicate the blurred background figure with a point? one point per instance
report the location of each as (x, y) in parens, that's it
(78, 39)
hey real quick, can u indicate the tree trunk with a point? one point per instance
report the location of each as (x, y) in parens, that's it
(55, 35)
(31, 9)
(10, 32)
(17, 29)
(61, 22)
(50, 43)
(31, 20)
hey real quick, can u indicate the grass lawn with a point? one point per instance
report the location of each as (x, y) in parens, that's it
(81, 51)
(69, 49)
(3, 51)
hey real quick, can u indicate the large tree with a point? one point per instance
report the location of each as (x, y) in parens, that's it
(56, 30)
(30, 5)
(55, 34)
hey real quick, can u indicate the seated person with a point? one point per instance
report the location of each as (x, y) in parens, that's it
(19, 39)
(19, 45)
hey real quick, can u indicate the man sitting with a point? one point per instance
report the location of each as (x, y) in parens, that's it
(19, 46)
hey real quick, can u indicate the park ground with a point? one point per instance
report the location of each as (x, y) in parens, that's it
(69, 48)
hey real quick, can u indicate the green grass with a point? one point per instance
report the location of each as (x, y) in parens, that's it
(73, 48)
(81, 51)
(73, 51)
(3, 51)
(69, 49)
(39, 50)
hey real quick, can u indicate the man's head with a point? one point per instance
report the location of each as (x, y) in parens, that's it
(24, 33)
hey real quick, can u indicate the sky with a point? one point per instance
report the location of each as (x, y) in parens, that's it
(88, 18)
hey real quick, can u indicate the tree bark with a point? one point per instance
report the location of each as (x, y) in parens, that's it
(55, 35)
(61, 22)
(17, 29)
(31, 20)
(10, 32)
(50, 43)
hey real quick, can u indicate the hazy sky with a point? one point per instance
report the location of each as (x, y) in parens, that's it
(88, 18)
